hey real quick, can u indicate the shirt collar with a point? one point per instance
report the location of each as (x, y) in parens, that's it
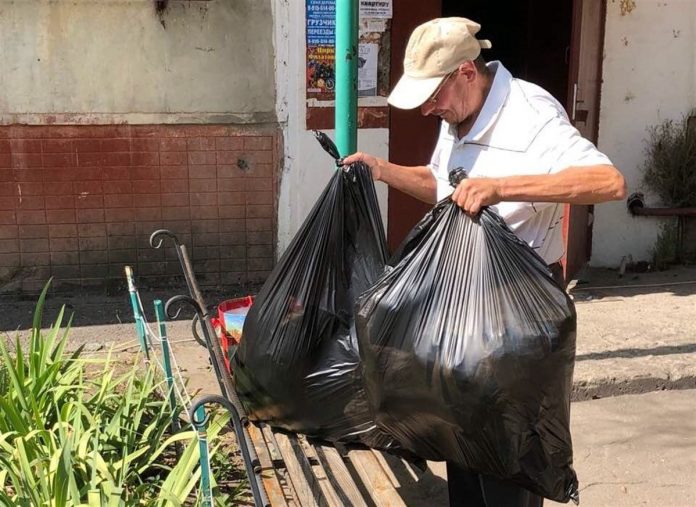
(497, 95)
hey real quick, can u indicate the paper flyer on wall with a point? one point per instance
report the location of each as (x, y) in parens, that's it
(367, 69)
(375, 8)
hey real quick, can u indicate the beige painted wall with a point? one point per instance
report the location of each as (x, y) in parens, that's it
(113, 61)
(649, 76)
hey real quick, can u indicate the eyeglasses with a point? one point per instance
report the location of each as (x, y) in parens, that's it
(432, 100)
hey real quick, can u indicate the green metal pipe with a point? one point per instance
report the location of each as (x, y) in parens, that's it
(346, 119)
(167, 361)
(139, 318)
(206, 486)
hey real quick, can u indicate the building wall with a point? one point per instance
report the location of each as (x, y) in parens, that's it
(79, 202)
(116, 120)
(118, 60)
(648, 77)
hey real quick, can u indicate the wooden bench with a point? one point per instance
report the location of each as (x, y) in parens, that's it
(298, 472)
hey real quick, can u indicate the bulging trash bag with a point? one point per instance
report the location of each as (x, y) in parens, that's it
(468, 348)
(298, 366)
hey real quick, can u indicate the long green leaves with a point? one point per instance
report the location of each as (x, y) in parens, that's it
(73, 434)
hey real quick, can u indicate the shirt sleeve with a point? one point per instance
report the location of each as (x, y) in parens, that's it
(567, 148)
(559, 146)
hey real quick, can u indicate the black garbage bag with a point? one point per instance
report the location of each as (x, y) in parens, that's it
(468, 347)
(298, 365)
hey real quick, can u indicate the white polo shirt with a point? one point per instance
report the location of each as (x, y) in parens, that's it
(521, 130)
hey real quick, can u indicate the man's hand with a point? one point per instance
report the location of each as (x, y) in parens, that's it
(417, 181)
(373, 163)
(474, 193)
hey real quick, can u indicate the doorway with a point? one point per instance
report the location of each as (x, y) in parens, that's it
(556, 44)
(530, 37)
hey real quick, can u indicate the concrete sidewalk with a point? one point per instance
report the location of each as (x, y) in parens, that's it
(635, 334)
(636, 450)
(629, 450)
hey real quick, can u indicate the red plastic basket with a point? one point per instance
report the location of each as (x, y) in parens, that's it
(229, 323)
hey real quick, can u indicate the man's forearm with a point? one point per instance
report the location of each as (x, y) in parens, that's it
(575, 185)
(417, 181)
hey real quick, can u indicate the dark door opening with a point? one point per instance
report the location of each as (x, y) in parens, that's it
(530, 37)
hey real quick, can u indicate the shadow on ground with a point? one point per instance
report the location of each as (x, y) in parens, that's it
(594, 284)
(97, 308)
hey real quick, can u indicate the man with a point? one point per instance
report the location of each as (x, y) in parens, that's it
(521, 155)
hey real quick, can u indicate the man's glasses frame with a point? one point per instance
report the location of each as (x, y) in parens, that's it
(433, 98)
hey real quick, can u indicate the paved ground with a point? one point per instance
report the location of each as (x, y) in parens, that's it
(636, 450)
(629, 450)
(636, 334)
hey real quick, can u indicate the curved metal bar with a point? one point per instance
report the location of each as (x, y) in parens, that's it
(193, 415)
(207, 330)
(194, 330)
(250, 458)
(156, 241)
(188, 300)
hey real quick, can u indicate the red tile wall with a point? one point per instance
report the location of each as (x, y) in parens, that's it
(78, 203)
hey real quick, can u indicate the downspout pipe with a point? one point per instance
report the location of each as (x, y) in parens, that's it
(346, 118)
(636, 206)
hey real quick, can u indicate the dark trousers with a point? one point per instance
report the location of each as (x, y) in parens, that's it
(468, 489)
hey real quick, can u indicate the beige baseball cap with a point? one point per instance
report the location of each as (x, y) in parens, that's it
(435, 49)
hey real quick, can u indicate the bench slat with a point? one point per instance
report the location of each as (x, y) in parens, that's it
(400, 472)
(271, 484)
(330, 496)
(375, 479)
(281, 468)
(299, 470)
(339, 476)
(296, 472)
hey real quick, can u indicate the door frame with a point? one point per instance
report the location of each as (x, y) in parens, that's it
(578, 219)
(412, 136)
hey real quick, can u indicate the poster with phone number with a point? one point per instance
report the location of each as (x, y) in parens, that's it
(321, 58)
(321, 35)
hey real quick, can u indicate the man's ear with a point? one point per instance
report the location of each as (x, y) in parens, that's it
(468, 69)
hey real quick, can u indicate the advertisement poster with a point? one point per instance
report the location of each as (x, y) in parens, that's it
(321, 35)
(367, 69)
(375, 8)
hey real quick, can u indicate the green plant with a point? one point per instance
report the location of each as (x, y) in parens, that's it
(4, 379)
(670, 165)
(666, 250)
(68, 440)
